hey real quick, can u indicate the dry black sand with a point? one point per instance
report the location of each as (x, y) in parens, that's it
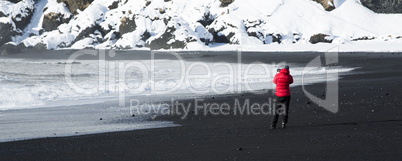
(368, 125)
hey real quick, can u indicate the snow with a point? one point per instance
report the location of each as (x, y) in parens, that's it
(295, 21)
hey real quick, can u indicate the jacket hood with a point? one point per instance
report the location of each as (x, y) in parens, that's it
(284, 71)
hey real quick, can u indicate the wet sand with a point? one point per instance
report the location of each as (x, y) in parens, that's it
(368, 125)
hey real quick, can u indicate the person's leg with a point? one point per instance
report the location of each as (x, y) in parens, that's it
(275, 112)
(286, 103)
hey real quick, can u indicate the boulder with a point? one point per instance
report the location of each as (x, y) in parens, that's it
(166, 41)
(40, 46)
(73, 5)
(114, 5)
(52, 20)
(225, 3)
(320, 38)
(206, 20)
(127, 25)
(87, 32)
(11, 47)
(2, 14)
(219, 37)
(253, 29)
(6, 31)
(327, 4)
(23, 18)
(272, 38)
(383, 6)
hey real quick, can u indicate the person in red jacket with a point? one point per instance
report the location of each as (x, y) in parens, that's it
(282, 80)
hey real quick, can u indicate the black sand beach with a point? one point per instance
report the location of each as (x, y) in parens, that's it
(368, 125)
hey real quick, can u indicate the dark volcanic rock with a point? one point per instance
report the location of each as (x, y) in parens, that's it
(272, 38)
(5, 34)
(320, 38)
(14, 1)
(73, 5)
(114, 5)
(253, 29)
(327, 4)
(225, 3)
(221, 38)
(363, 38)
(206, 20)
(383, 6)
(88, 31)
(52, 20)
(127, 25)
(40, 46)
(2, 14)
(22, 20)
(165, 41)
(11, 48)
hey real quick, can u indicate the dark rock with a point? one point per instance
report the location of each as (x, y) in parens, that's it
(85, 33)
(14, 1)
(206, 20)
(167, 0)
(253, 29)
(239, 149)
(6, 31)
(148, 3)
(221, 38)
(127, 25)
(114, 5)
(363, 38)
(320, 38)
(101, 119)
(52, 20)
(23, 18)
(383, 6)
(145, 36)
(162, 41)
(325, 3)
(296, 37)
(10, 48)
(40, 46)
(274, 38)
(225, 3)
(162, 11)
(2, 14)
(73, 5)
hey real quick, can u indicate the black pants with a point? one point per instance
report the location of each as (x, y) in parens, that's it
(282, 108)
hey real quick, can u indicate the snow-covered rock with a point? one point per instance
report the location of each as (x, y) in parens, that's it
(7, 27)
(327, 4)
(75, 5)
(15, 16)
(320, 38)
(191, 24)
(54, 15)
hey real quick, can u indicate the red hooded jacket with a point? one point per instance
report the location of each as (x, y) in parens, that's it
(282, 81)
